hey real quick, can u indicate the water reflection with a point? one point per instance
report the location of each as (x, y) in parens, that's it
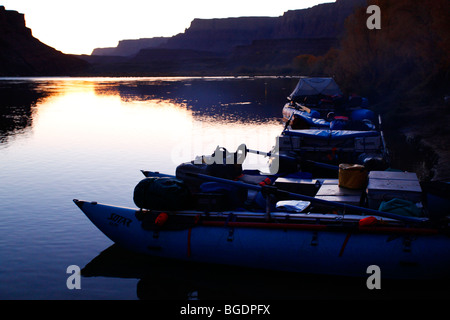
(17, 108)
(176, 118)
(226, 99)
(161, 279)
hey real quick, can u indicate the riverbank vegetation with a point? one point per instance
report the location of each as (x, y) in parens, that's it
(404, 68)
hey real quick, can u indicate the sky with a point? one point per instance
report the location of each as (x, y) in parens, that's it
(79, 26)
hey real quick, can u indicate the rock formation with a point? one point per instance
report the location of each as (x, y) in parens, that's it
(208, 46)
(23, 55)
(130, 47)
(223, 35)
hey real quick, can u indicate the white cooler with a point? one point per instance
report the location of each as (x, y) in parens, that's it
(387, 185)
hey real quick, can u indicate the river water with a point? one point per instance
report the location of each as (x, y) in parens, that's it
(88, 138)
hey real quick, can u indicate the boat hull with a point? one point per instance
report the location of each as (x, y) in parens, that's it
(293, 247)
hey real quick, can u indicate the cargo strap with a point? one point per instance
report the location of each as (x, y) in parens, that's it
(365, 222)
(344, 244)
(231, 218)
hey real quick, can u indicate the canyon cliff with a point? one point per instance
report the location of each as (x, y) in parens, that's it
(244, 45)
(130, 47)
(23, 55)
(223, 35)
(227, 46)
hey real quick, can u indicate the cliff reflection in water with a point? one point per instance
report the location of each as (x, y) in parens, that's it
(235, 99)
(17, 107)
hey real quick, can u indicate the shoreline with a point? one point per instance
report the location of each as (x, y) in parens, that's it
(425, 131)
(437, 158)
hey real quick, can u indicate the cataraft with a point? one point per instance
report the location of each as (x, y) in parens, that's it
(213, 211)
(322, 126)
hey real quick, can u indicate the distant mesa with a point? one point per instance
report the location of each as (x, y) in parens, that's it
(222, 35)
(231, 45)
(323, 21)
(130, 47)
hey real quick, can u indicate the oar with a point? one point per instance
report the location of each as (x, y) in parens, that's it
(265, 154)
(314, 163)
(270, 154)
(287, 122)
(322, 165)
(272, 189)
